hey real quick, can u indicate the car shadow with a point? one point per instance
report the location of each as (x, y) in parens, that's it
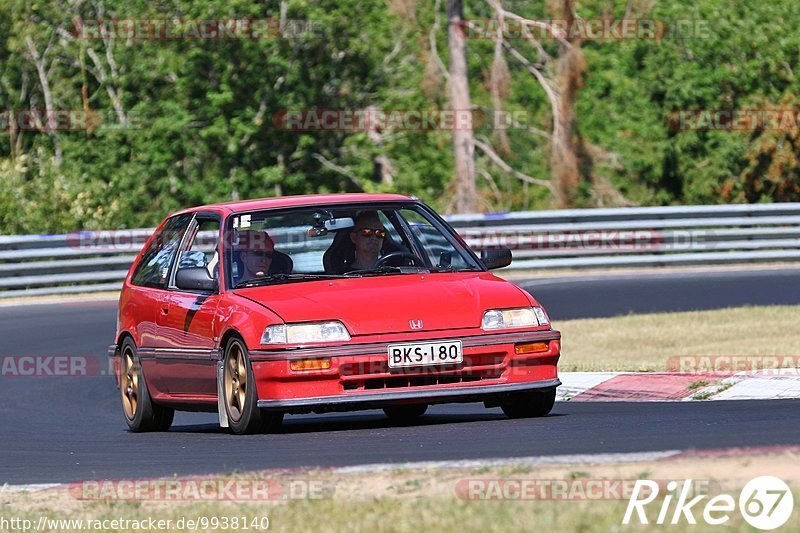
(321, 424)
(353, 422)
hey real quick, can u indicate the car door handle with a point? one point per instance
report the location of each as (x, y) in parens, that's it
(165, 310)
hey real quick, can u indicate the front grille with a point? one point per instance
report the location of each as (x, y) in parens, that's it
(377, 375)
(382, 366)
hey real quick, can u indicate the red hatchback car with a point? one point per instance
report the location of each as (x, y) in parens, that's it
(306, 304)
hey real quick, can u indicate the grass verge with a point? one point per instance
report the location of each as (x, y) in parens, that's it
(645, 342)
(424, 500)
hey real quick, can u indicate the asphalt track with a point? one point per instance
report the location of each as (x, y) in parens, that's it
(68, 429)
(656, 292)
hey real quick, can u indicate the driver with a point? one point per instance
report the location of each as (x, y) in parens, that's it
(256, 251)
(367, 236)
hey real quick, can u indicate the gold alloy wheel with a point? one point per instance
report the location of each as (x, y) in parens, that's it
(236, 382)
(130, 384)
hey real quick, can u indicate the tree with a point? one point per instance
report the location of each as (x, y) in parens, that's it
(569, 70)
(466, 196)
(560, 77)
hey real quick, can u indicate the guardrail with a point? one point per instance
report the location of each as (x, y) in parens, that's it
(576, 238)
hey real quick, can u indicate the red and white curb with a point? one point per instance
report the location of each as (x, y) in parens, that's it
(677, 386)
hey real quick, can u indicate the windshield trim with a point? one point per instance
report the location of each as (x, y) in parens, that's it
(436, 220)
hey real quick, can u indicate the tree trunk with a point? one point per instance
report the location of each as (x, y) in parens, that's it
(383, 169)
(50, 126)
(466, 196)
(564, 157)
(499, 81)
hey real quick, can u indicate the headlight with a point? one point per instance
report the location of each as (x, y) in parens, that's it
(514, 318)
(305, 333)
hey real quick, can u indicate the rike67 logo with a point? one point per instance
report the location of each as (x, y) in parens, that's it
(765, 503)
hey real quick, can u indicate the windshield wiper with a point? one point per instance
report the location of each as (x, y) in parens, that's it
(387, 269)
(283, 277)
(453, 269)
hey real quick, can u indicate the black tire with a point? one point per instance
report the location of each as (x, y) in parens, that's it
(529, 404)
(405, 413)
(142, 415)
(244, 416)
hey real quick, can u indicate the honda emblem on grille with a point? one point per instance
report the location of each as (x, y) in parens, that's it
(415, 324)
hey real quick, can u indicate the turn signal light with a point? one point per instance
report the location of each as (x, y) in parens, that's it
(310, 364)
(531, 347)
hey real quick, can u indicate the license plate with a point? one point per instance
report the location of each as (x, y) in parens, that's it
(426, 353)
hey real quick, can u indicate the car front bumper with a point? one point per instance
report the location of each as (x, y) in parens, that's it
(359, 378)
(380, 399)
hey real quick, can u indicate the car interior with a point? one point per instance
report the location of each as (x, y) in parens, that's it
(327, 247)
(341, 253)
(281, 264)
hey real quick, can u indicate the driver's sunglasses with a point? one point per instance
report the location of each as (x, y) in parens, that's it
(369, 232)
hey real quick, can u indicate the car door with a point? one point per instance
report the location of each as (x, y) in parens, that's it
(148, 288)
(186, 319)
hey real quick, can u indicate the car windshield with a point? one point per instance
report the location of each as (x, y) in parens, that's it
(303, 244)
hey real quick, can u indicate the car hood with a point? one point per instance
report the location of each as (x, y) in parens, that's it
(388, 304)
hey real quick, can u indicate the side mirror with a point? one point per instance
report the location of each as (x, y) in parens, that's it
(195, 279)
(496, 257)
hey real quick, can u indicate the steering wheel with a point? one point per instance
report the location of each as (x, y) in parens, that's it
(408, 255)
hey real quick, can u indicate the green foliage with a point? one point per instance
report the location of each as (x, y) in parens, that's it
(740, 56)
(203, 114)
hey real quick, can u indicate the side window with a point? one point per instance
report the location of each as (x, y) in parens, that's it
(439, 250)
(391, 229)
(153, 270)
(201, 247)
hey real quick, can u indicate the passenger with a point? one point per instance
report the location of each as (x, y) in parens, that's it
(256, 251)
(367, 236)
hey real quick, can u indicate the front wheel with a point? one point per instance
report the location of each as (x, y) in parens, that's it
(529, 404)
(241, 397)
(141, 414)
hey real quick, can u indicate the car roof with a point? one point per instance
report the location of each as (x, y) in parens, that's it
(299, 201)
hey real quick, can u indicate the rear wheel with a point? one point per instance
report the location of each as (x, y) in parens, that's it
(241, 397)
(141, 414)
(529, 404)
(405, 413)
